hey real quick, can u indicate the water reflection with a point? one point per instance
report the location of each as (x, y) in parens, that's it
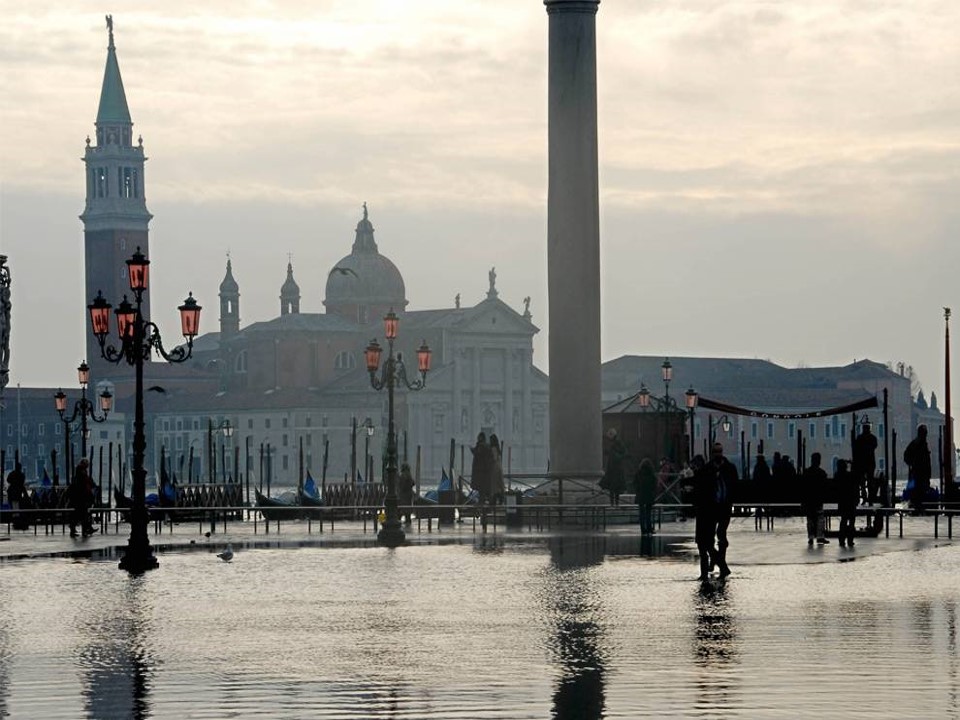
(6, 654)
(715, 646)
(115, 663)
(574, 606)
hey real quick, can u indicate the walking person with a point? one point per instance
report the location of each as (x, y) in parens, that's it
(704, 506)
(81, 499)
(813, 493)
(848, 497)
(865, 463)
(917, 458)
(405, 487)
(646, 489)
(481, 468)
(724, 478)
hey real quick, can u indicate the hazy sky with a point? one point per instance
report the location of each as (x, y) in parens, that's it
(778, 179)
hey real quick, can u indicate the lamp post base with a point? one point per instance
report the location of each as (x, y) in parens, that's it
(391, 534)
(138, 559)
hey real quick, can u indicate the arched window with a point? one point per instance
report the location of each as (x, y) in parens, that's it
(240, 363)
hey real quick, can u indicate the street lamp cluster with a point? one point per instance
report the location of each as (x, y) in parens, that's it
(137, 336)
(226, 428)
(394, 372)
(667, 403)
(82, 409)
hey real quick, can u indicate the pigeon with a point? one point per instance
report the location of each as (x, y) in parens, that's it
(156, 389)
(227, 554)
(344, 271)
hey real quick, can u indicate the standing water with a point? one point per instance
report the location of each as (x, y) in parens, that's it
(551, 627)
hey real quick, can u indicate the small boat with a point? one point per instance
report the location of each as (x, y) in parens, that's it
(312, 504)
(276, 508)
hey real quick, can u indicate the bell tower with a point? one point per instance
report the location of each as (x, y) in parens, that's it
(115, 216)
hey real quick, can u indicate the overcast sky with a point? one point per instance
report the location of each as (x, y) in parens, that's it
(778, 179)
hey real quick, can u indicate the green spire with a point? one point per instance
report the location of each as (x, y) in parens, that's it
(113, 101)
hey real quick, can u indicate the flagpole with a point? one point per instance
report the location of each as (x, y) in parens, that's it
(948, 420)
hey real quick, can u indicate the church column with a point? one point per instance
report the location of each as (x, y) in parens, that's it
(506, 426)
(475, 410)
(573, 240)
(456, 422)
(526, 409)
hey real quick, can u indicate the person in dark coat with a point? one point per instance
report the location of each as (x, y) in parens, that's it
(405, 487)
(16, 486)
(81, 499)
(613, 480)
(865, 463)
(848, 497)
(917, 458)
(814, 491)
(482, 468)
(646, 490)
(723, 477)
(705, 508)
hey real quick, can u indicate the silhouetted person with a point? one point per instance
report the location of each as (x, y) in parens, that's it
(814, 491)
(646, 489)
(405, 487)
(496, 468)
(613, 480)
(917, 458)
(724, 478)
(81, 498)
(481, 468)
(848, 497)
(865, 463)
(17, 496)
(760, 482)
(705, 508)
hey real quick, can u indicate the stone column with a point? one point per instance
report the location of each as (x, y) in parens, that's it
(573, 241)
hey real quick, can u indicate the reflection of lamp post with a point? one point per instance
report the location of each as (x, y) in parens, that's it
(227, 430)
(391, 534)
(137, 336)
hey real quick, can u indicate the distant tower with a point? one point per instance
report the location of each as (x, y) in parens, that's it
(290, 294)
(115, 217)
(229, 305)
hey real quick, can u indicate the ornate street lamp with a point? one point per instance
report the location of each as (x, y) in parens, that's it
(82, 409)
(391, 533)
(137, 336)
(723, 422)
(227, 429)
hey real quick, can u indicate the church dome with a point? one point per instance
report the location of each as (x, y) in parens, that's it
(364, 278)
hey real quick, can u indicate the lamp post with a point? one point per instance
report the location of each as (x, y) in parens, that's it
(393, 372)
(667, 404)
(724, 423)
(227, 429)
(136, 337)
(368, 426)
(82, 409)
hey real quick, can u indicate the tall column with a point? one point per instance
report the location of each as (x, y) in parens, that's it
(573, 241)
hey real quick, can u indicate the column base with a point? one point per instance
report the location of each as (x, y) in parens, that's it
(138, 559)
(391, 534)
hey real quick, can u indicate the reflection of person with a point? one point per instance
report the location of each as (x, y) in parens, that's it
(848, 496)
(646, 489)
(405, 486)
(917, 458)
(81, 498)
(814, 491)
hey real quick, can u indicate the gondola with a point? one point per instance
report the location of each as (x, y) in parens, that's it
(313, 505)
(276, 509)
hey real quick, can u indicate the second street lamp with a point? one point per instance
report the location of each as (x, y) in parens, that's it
(393, 372)
(137, 336)
(82, 409)
(226, 428)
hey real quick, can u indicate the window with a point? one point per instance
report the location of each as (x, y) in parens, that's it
(24, 430)
(880, 430)
(179, 425)
(843, 429)
(813, 431)
(753, 429)
(769, 431)
(57, 429)
(308, 421)
(240, 362)
(826, 430)
(285, 422)
(345, 360)
(179, 442)
(250, 424)
(41, 428)
(362, 315)
(123, 272)
(791, 430)
(286, 462)
(309, 440)
(286, 440)
(41, 450)
(266, 423)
